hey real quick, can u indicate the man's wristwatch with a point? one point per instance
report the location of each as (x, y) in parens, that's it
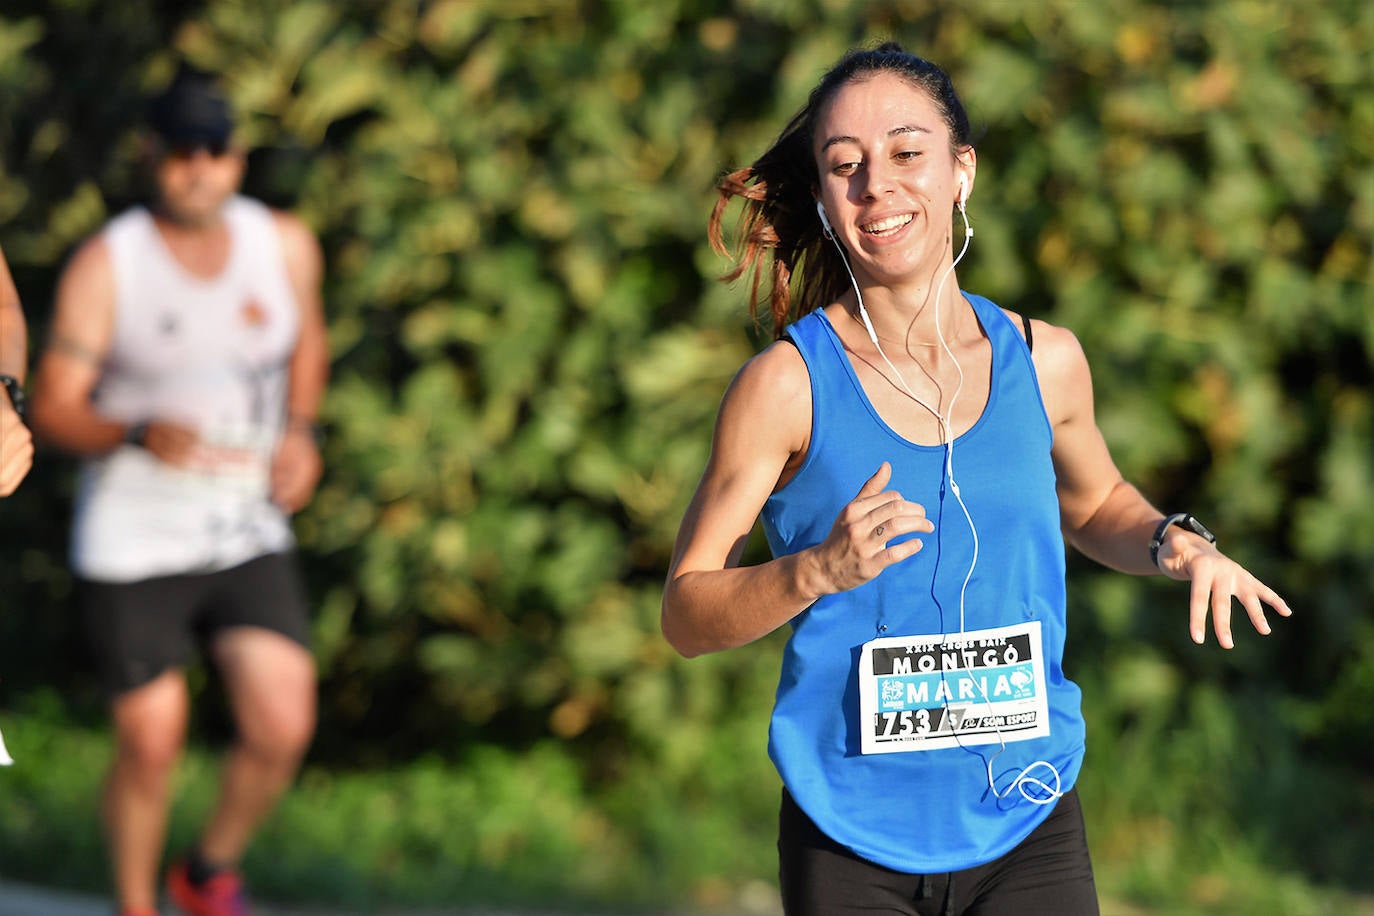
(308, 426)
(1185, 520)
(15, 389)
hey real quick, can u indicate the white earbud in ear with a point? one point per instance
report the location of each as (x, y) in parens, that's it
(963, 191)
(825, 221)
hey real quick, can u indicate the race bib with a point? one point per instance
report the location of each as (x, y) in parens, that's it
(236, 456)
(919, 693)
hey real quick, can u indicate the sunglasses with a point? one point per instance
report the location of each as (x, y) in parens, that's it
(215, 148)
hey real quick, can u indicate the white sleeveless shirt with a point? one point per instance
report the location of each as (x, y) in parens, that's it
(213, 354)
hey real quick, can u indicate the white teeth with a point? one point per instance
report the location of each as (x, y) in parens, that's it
(891, 222)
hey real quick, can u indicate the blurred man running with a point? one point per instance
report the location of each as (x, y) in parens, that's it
(186, 366)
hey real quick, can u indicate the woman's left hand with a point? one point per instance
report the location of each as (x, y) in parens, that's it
(1217, 579)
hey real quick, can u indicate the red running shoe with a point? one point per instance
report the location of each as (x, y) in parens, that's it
(222, 895)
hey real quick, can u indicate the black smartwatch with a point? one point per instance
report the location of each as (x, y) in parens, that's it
(1185, 520)
(15, 389)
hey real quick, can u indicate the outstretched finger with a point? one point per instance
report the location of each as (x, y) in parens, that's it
(1221, 617)
(1272, 598)
(1199, 602)
(1256, 612)
(1255, 603)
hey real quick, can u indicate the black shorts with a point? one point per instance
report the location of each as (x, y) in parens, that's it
(1048, 874)
(138, 630)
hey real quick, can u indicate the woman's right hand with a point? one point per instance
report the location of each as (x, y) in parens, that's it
(856, 550)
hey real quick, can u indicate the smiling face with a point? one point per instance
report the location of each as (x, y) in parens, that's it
(888, 177)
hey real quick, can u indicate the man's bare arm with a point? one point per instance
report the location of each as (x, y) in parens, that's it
(14, 339)
(67, 372)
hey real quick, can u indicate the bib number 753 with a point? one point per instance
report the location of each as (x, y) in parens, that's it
(906, 722)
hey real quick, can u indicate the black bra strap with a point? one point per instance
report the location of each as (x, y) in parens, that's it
(1025, 323)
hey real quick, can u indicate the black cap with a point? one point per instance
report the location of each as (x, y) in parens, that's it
(192, 112)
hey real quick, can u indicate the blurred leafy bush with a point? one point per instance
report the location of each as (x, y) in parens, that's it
(529, 347)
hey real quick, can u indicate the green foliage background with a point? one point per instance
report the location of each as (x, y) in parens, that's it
(529, 349)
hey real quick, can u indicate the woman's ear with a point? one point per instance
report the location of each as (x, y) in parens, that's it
(966, 163)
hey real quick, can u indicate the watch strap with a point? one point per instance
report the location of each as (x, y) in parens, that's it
(15, 390)
(1185, 520)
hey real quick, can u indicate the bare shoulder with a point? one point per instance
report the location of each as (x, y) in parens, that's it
(1057, 345)
(769, 399)
(301, 251)
(296, 236)
(86, 286)
(291, 226)
(1061, 367)
(91, 261)
(776, 379)
(779, 365)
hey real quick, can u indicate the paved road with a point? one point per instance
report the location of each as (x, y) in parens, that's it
(26, 900)
(18, 900)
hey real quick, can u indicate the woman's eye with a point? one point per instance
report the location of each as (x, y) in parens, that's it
(844, 168)
(908, 154)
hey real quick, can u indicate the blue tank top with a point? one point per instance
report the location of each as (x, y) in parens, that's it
(925, 811)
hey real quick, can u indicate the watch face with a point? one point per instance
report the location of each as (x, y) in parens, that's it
(1200, 529)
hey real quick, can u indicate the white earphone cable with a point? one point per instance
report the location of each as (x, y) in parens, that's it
(1024, 778)
(945, 422)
